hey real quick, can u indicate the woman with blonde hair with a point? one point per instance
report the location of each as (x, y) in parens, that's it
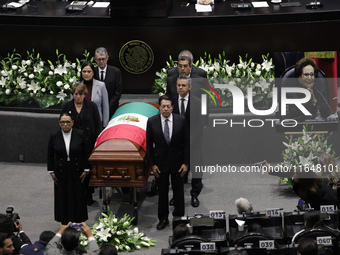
(329, 170)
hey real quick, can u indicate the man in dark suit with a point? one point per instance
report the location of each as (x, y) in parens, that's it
(183, 103)
(167, 143)
(184, 68)
(195, 70)
(111, 76)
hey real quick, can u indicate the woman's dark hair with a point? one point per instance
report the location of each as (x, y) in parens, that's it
(65, 114)
(309, 185)
(180, 231)
(87, 64)
(305, 62)
(70, 238)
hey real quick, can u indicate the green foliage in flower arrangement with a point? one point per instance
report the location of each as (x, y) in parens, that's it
(118, 232)
(305, 150)
(34, 80)
(244, 74)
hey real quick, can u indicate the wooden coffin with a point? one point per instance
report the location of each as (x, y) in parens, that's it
(119, 163)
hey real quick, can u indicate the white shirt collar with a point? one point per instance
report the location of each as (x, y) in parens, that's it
(186, 97)
(102, 69)
(169, 118)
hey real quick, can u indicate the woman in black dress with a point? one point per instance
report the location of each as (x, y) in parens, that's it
(86, 118)
(67, 162)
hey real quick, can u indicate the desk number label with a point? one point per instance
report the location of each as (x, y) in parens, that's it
(266, 244)
(327, 208)
(273, 212)
(325, 240)
(218, 214)
(208, 246)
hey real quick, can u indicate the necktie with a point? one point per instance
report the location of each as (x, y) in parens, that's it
(182, 107)
(102, 75)
(166, 131)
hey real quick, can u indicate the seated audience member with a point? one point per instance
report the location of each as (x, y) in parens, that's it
(318, 105)
(39, 246)
(180, 231)
(329, 170)
(6, 244)
(254, 228)
(307, 246)
(310, 220)
(314, 190)
(69, 239)
(9, 227)
(243, 205)
(108, 249)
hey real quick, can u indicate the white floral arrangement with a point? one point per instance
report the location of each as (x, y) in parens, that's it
(305, 151)
(118, 232)
(32, 79)
(244, 74)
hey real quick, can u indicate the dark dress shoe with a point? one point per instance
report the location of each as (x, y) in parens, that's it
(162, 224)
(172, 202)
(195, 202)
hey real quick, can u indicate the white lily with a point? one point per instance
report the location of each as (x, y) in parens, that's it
(60, 70)
(306, 138)
(267, 65)
(34, 87)
(38, 69)
(104, 234)
(21, 82)
(3, 81)
(100, 226)
(62, 95)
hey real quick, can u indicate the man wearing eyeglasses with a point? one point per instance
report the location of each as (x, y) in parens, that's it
(185, 67)
(111, 76)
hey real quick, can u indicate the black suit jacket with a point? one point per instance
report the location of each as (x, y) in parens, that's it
(193, 109)
(195, 70)
(57, 156)
(113, 83)
(87, 120)
(168, 157)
